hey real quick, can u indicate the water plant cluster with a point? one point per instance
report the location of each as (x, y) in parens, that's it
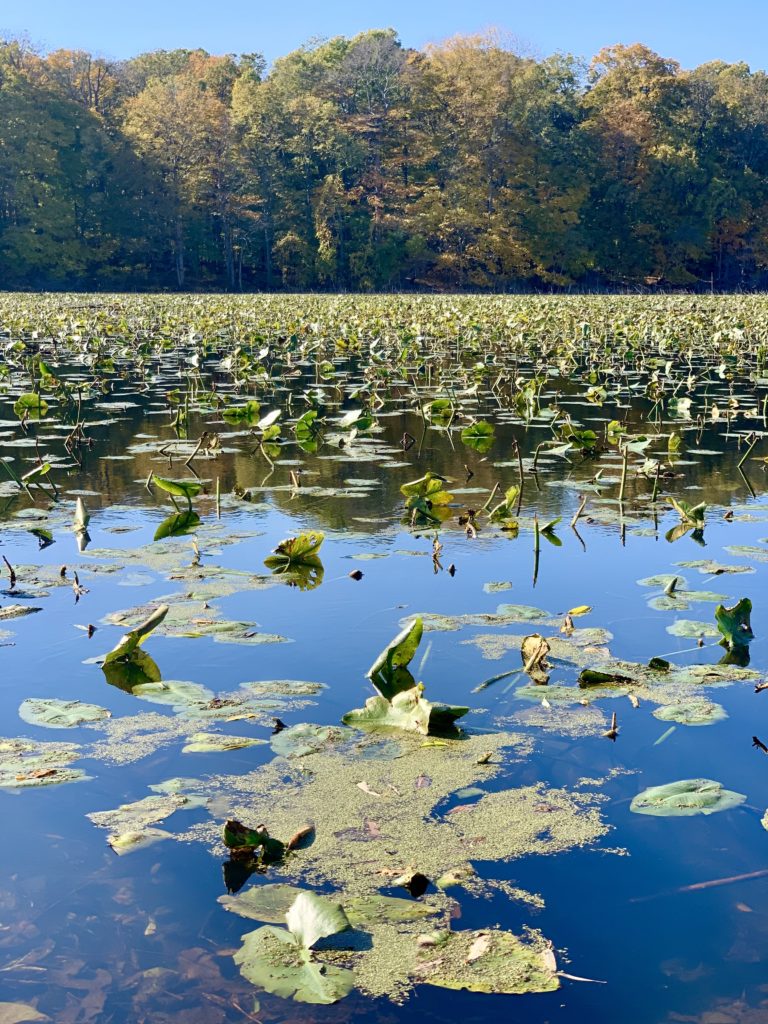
(248, 444)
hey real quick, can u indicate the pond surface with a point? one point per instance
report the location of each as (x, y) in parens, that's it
(657, 917)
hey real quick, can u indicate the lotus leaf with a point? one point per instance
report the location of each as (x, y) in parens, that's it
(272, 959)
(396, 655)
(178, 488)
(212, 742)
(685, 798)
(133, 639)
(60, 714)
(30, 405)
(19, 1013)
(174, 692)
(296, 550)
(177, 524)
(694, 711)
(408, 710)
(734, 623)
(305, 738)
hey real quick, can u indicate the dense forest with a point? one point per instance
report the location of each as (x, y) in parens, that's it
(358, 164)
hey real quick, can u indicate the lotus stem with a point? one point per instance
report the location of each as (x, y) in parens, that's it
(624, 473)
(579, 510)
(748, 452)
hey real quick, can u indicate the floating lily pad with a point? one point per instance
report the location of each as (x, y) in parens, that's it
(694, 711)
(271, 959)
(173, 692)
(130, 842)
(305, 738)
(408, 710)
(16, 611)
(686, 798)
(213, 742)
(19, 1013)
(692, 629)
(60, 714)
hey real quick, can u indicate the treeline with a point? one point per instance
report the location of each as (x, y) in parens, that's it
(358, 164)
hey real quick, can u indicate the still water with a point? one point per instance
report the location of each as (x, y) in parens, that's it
(86, 935)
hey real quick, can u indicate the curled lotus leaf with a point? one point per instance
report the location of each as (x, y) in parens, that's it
(135, 637)
(428, 488)
(734, 623)
(178, 488)
(177, 525)
(312, 917)
(30, 405)
(685, 798)
(397, 655)
(296, 550)
(408, 710)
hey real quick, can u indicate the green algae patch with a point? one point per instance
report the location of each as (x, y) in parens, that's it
(489, 961)
(686, 798)
(564, 721)
(380, 820)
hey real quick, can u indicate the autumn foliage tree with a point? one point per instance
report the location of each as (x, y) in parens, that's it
(355, 163)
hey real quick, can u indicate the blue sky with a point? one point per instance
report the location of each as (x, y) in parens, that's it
(692, 31)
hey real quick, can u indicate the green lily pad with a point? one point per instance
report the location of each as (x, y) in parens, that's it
(408, 710)
(692, 629)
(26, 763)
(16, 611)
(130, 842)
(305, 738)
(214, 742)
(686, 798)
(174, 693)
(267, 903)
(708, 567)
(60, 714)
(271, 959)
(734, 623)
(280, 960)
(30, 405)
(694, 711)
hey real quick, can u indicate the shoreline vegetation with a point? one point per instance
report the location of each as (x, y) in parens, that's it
(359, 165)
